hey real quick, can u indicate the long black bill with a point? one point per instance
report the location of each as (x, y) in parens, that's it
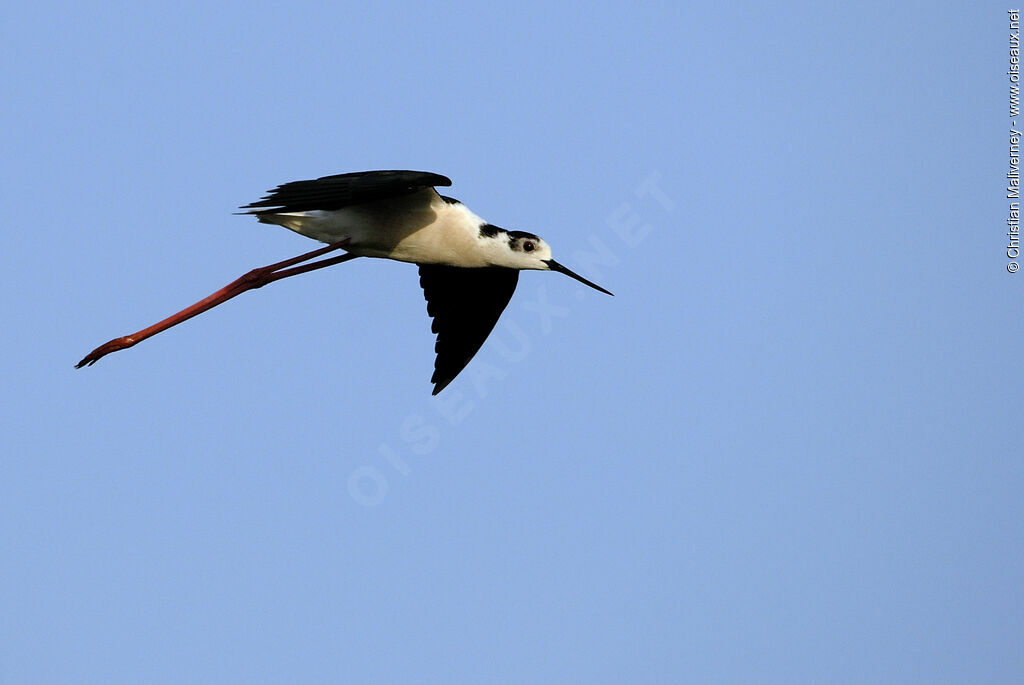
(555, 266)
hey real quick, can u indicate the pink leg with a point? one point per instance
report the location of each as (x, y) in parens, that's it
(257, 278)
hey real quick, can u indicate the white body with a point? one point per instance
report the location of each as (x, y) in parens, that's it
(421, 228)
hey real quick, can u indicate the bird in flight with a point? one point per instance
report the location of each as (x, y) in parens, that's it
(468, 267)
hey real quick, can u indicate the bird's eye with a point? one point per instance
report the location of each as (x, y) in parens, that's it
(528, 246)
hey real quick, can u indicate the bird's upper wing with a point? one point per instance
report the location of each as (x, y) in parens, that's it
(465, 304)
(343, 190)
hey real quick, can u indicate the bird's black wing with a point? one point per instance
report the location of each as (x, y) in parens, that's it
(343, 190)
(465, 304)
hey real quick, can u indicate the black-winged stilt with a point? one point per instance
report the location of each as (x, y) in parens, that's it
(468, 267)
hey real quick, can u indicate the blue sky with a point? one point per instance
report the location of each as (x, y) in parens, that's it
(788, 450)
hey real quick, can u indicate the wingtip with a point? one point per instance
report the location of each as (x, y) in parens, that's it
(439, 384)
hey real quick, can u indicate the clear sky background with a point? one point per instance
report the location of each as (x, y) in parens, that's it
(788, 450)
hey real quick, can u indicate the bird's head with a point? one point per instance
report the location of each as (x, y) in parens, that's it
(522, 250)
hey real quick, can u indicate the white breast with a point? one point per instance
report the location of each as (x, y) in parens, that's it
(420, 228)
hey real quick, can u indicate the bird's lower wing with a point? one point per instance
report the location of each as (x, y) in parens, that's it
(465, 305)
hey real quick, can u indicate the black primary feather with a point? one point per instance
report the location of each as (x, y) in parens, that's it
(465, 305)
(344, 190)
